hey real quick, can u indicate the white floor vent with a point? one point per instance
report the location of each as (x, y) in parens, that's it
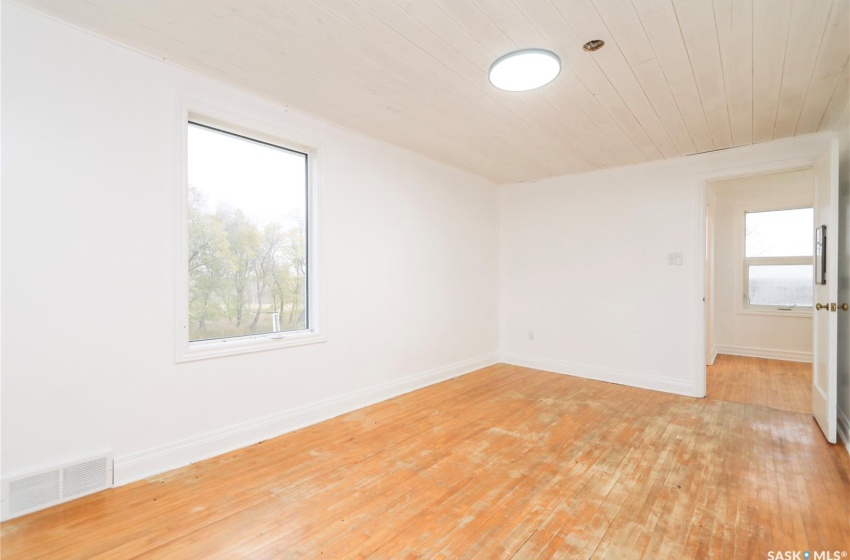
(24, 494)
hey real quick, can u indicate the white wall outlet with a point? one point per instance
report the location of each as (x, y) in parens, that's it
(531, 336)
(674, 259)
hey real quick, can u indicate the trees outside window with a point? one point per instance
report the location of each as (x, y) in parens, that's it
(247, 236)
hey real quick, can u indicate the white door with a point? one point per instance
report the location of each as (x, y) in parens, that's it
(825, 320)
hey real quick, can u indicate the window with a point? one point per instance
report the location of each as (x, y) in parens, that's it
(778, 247)
(247, 284)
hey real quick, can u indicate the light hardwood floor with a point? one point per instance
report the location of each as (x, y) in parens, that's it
(774, 383)
(505, 462)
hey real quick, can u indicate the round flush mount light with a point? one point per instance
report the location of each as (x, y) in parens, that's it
(525, 70)
(594, 45)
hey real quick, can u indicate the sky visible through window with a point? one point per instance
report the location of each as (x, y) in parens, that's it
(266, 183)
(782, 233)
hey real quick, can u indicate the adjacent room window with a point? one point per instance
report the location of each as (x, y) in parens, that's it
(247, 237)
(778, 249)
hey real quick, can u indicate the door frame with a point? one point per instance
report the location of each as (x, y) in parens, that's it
(702, 180)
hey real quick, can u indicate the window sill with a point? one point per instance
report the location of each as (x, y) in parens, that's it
(775, 313)
(231, 347)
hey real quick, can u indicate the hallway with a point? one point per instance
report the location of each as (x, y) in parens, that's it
(773, 383)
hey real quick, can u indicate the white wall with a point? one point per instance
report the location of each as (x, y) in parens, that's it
(88, 148)
(584, 266)
(739, 332)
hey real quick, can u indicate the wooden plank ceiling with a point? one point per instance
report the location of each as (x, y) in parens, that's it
(675, 77)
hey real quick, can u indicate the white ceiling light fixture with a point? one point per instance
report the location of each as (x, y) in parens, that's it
(525, 70)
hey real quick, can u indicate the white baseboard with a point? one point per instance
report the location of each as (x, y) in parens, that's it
(844, 429)
(181, 453)
(621, 377)
(767, 353)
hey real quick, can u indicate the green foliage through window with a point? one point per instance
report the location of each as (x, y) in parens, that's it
(247, 242)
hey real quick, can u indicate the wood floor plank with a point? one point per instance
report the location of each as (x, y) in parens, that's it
(506, 462)
(777, 384)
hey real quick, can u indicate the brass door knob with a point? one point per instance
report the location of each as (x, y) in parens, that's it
(820, 306)
(844, 307)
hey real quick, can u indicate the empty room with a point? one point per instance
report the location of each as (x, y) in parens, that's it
(498, 279)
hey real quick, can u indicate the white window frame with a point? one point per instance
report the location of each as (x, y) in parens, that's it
(744, 307)
(255, 128)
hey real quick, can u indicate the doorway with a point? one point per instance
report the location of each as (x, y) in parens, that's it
(759, 289)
